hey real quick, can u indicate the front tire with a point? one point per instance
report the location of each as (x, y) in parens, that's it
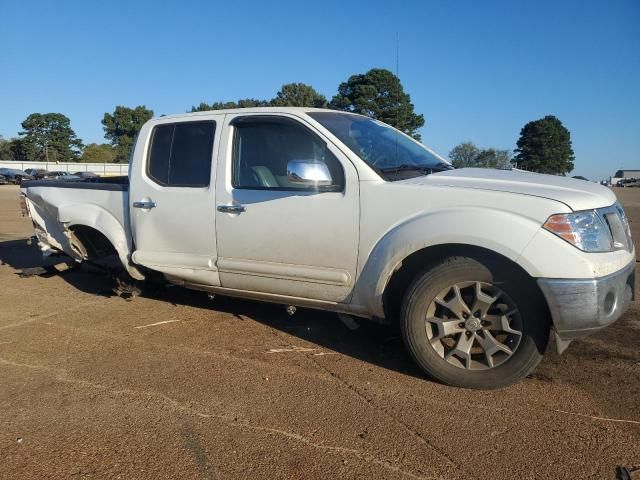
(473, 326)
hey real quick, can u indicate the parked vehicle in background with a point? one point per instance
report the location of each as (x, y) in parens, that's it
(628, 182)
(86, 176)
(15, 176)
(62, 175)
(336, 211)
(3, 180)
(37, 173)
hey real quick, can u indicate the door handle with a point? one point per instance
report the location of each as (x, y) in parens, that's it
(145, 204)
(231, 208)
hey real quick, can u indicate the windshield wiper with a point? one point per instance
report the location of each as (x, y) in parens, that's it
(403, 166)
(415, 168)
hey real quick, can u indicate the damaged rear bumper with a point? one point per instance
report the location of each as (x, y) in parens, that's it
(580, 307)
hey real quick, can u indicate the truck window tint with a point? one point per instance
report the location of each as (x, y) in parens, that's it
(158, 164)
(180, 154)
(262, 150)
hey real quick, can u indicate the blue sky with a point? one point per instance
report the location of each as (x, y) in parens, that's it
(477, 70)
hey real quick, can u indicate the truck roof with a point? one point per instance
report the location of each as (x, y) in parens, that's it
(250, 110)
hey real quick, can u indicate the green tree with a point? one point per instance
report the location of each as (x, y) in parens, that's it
(48, 136)
(121, 128)
(242, 103)
(17, 150)
(468, 155)
(7, 148)
(98, 153)
(298, 95)
(464, 155)
(204, 107)
(251, 103)
(380, 95)
(492, 158)
(544, 146)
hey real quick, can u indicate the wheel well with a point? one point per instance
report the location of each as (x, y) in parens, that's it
(93, 244)
(422, 259)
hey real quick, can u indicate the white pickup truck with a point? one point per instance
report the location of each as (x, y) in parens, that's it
(336, 211)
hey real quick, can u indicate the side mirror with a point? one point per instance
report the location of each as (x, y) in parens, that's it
(308, 173)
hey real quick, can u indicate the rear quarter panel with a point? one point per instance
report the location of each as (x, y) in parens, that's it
(55, 209)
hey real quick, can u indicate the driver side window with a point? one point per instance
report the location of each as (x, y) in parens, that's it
(263, 146)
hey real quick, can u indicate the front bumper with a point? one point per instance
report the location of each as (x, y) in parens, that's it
(580, 307)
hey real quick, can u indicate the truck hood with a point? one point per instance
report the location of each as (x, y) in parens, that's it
(576, 194)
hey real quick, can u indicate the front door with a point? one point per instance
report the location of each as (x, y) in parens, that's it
(274, 236)
(172, 198)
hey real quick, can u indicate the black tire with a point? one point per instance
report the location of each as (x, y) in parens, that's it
(533, 321)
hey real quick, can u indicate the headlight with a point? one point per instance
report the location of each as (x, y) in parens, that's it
(584, 230)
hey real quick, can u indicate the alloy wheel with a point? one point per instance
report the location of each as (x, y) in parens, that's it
(474, 325)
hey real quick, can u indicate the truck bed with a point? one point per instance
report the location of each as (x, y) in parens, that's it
(58, 208)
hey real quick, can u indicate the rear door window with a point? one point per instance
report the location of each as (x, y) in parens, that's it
(181, 154)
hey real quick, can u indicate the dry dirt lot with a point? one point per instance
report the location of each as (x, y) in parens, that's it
(172, 385)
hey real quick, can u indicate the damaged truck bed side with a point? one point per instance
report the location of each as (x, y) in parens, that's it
(336, 211)
(92, 226)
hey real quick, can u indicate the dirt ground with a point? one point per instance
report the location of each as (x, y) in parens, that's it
(173, 385)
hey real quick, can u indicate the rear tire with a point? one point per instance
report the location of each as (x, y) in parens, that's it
(473, 326)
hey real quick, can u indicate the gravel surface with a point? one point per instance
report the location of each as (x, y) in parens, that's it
(173, 385)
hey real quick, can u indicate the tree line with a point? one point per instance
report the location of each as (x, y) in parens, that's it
(544, 145)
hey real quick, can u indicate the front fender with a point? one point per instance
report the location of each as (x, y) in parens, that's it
(502, 232)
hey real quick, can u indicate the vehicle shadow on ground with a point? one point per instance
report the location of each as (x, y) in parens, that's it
(361, 339)
(23, 253)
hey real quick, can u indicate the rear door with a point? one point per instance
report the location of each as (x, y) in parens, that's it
(172, 195)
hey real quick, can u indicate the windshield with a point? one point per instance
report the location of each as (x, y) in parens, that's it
(391, 153)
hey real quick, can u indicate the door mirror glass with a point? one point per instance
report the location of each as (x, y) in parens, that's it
(308, 173)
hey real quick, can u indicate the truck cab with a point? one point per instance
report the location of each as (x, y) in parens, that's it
(236, 219)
